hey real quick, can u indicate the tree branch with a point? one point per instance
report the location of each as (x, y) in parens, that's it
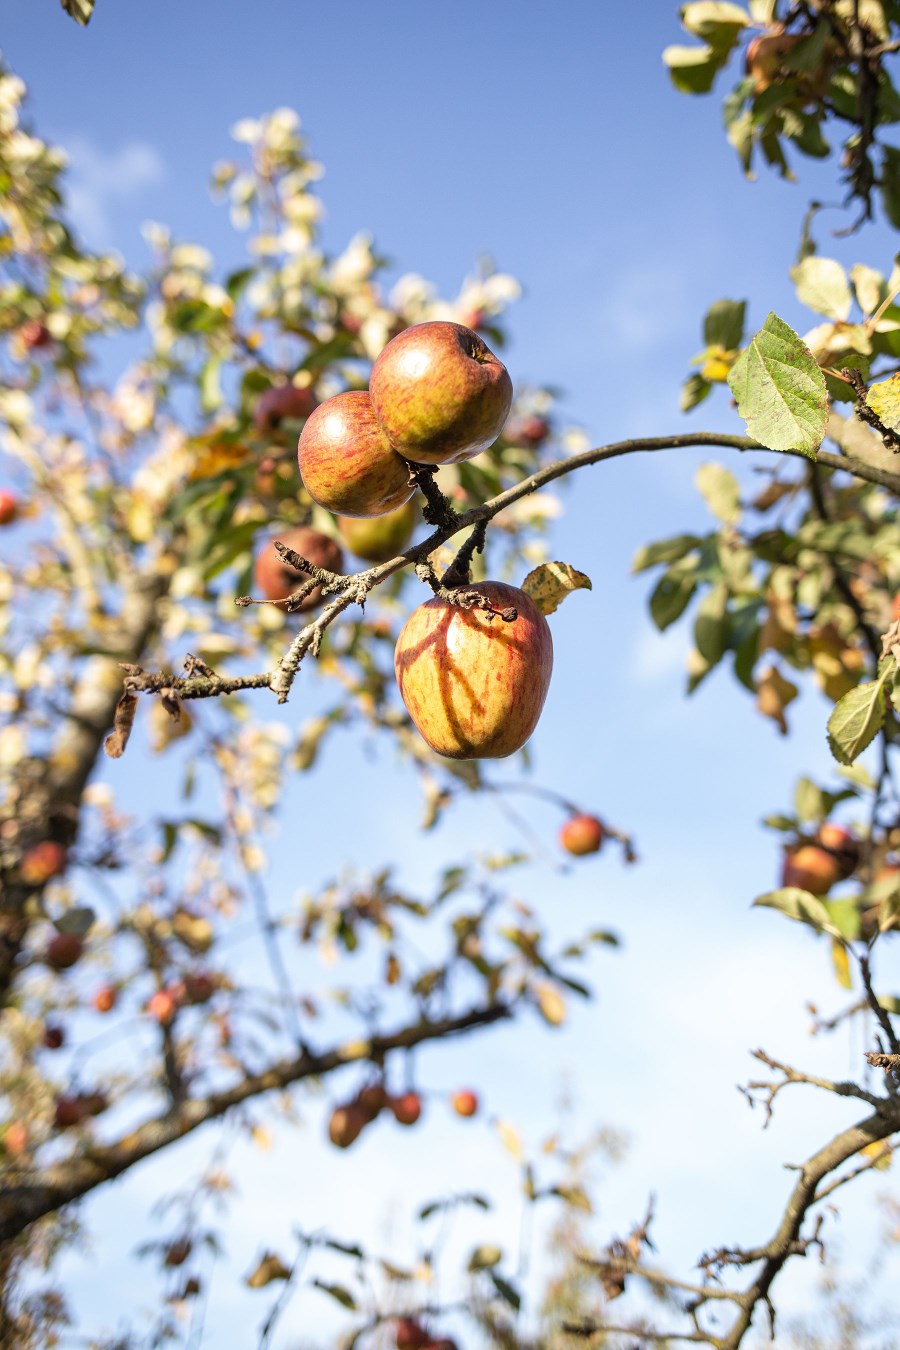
(29, 1196)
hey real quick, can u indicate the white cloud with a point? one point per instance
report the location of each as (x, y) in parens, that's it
(100, 180)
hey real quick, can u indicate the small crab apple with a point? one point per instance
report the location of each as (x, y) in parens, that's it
(177, 1252)
(474, 681)
(406, 1108)
(104, 999)
(582, 834)
(277, 580)
(372, 1099)
(280, 402)
(377, 540)
(440, 393)
(346, 1124)
(9, 507)
(410, 1334)
(54, 1037)
(34, 335)
(811, 868)
(15, 1138)
(199, 986)
(164, 1003)
(63, 950)
(842, 845)
(69, 1111)
(347, 463)
(42, 862)
(464, 1102)
(530, 432)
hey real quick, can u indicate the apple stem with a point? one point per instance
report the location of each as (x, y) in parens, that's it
(459, 573)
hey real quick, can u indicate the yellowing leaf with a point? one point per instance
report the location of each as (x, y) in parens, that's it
(511, 1140)
(884, 399)
(261, 1137)
(881, 1151)
(551, 1005)
(841, 962)
(549, 584)
(215, 457)
(773, 694)
(270, 1267)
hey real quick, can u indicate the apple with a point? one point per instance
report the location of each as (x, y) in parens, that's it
(406, 1108)
(282, 400)
(54, 1037)
(9, 507)
(42, 862)
(843, 846)
(811, 868)
(375, 541)
(347, 463)
(105, 998)
(464, 1102)
(277, 580)
(765, 55)
(177, 1252)
(199, 987)
(63, 950)
(410, 1334)
(531, 432)
(34, 335)
(582, 834)
(69, 1111)
(164, 1003)
(15, 1138)
(473, 684)
(372, 1100)
(440, 393)
(347, 1124)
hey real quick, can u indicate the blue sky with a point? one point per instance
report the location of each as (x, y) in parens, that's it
(549, 137)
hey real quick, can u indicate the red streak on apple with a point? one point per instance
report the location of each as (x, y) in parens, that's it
(347, 463)
(473, 684)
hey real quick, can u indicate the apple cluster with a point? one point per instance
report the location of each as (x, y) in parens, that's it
(473, 676)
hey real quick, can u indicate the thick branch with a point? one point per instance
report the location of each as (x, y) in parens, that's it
(30, 1196)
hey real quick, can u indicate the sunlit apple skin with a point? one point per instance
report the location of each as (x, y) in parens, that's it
(9, 508)
(473, 684)
(811, 868)
(464, 1102)
(276, 580)
(283, 400)
(374, 541)
(406, 1108)
(440, 393)
(581, 834)
(842, 845)
(42, 862)
(347, 463)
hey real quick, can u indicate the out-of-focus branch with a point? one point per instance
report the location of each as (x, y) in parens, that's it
(30, 1195)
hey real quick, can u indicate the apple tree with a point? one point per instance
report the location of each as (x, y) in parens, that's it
(172, 568)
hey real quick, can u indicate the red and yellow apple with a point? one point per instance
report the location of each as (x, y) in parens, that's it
(464, 1102)
(406, 1108)
(440, 393)
(346, 1124)
(279, 402)
(9, 507)
(277, 580)
(842, 845)
(377, 540)
(347, 463)
(42, 862)
(811, 868)
(582, 834)
(474, 684)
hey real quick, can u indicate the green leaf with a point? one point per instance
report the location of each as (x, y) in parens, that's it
(484, 1257)
(720, 491)
(809, 801)
(822, 286)
(80, 10)
(714, 21)
(664, 551)
(844, 916)
(338, 1293)
(711, 624)
(671, 596)
(800, 905)
(856, 720)
(506, 1291)
(549, 584)
(211, 396)
(723, 325)
(79, 921)
(780, 390)
(693, 69)
(884, 399)
(576, 1196)
(694, 390)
